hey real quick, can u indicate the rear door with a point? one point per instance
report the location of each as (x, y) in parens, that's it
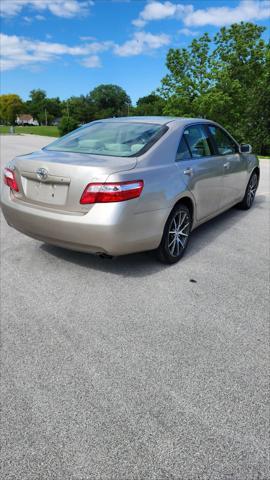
(202, 169)
(234, 165)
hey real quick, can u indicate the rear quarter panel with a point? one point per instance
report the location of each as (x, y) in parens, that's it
(163, 185)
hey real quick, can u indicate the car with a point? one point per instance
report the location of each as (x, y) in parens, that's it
(124, 185)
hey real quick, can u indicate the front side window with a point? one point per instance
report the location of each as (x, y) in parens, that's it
(198, 141)
(121, 139)
(225, 145)
(183, 152)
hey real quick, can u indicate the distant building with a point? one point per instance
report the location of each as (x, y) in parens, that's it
(26, 119)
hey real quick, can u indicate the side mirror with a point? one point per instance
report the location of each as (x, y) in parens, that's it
(245, 148)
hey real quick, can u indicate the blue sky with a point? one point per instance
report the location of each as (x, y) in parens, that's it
(67, 47)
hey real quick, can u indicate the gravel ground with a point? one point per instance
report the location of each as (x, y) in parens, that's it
(127, 369)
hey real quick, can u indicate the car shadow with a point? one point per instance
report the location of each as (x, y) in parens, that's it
(143, 264)
(134, 265)
(209, 231)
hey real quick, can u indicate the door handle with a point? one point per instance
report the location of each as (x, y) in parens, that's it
(188, 171)
(227, 165)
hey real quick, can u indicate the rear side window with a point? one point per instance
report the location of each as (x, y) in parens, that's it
(225, 145)
(198, 141)
(183, 152)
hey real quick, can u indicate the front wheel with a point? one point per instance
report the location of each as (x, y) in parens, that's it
(250, 192)
(175, 236)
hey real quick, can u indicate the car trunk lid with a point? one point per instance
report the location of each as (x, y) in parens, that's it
(56, 180)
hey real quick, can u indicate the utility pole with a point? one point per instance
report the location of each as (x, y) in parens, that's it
(46, 118)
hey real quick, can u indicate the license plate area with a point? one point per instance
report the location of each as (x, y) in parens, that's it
(49, 193)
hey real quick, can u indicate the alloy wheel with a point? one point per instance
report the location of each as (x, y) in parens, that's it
(252, 187)
(178, 232)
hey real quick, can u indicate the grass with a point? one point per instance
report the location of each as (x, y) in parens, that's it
(262, 157)
(41, 130)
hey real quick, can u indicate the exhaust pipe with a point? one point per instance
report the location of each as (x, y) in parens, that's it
(105, 256)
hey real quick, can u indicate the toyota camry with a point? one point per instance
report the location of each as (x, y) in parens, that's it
(124, 185)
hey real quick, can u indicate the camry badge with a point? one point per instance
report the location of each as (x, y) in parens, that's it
(42, 173)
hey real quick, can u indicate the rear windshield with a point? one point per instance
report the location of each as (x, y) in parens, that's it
(110, 138)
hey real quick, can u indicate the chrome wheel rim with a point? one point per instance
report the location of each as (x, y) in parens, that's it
(252, 190)
(178, 233)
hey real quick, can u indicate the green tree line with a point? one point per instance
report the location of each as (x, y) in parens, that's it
(225, 78)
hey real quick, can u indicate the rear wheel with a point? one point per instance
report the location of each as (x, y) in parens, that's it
(176, 235)
(250, 192)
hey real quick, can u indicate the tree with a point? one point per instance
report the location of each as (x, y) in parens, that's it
(242, 70)
(67, 124)
(42, 108)
(10, 106)
(109, 101)
(53, 107)
(80, 108)
(259, 110)
(226, 83)
(37, 105)
(151, 104)
(189, 77)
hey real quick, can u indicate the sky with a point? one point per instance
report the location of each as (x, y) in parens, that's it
(68, 47)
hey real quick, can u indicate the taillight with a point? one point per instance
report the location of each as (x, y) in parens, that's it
(111, 192)
(10, 180)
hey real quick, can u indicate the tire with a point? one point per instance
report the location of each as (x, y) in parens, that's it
(176, 235)
(250, 193)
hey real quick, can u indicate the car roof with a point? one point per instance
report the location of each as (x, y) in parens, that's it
(161, 120)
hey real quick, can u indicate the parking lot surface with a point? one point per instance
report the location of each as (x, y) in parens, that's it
(127, 369)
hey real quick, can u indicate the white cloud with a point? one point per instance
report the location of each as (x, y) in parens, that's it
(142, 42)
(159, 11)
(97, 47)
(60, 8)
(91, 62)
(246, 10)
(188, 32)
(22, 52)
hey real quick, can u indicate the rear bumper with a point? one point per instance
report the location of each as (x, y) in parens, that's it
(112, 228)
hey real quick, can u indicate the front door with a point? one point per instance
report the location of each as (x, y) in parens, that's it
(234, 165)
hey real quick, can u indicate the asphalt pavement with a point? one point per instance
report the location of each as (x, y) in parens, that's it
(126, 369)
